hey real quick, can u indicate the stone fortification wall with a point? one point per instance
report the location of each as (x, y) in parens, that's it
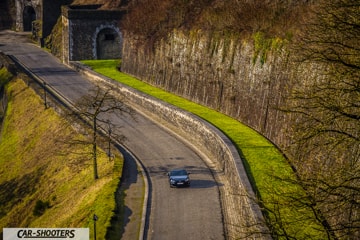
(82, 26)
(221, 155)
(21, 5)
(45, 11)
(247, 80)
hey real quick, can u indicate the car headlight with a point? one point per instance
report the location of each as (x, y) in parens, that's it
(172, 180)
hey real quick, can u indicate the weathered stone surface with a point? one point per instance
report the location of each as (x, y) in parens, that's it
(45, 11)
(90, 33)
(221, 72)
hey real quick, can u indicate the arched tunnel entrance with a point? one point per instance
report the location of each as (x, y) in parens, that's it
(29, 16)
(108, 44)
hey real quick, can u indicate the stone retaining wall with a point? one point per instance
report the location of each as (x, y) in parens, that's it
(242, 216)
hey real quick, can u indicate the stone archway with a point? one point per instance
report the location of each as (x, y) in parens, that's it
(29, 15)
(108, 44)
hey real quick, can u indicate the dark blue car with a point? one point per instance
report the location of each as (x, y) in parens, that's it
(179, 178)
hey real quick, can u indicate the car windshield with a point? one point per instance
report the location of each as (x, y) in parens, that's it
(178, 173)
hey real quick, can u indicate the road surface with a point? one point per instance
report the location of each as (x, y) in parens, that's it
(185, 213)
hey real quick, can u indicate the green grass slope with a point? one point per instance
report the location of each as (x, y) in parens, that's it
(43, 183)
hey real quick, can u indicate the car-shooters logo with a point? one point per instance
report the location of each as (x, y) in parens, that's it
(46, 233)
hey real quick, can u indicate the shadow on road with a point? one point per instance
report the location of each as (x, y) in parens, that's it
(195, 183)
(122, 213)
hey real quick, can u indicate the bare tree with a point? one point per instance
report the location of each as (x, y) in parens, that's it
(326, 110)
(96, 109)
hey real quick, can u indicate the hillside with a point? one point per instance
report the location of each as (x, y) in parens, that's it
(288, 69)
(45, 181)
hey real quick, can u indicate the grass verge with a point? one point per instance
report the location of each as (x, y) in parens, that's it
(266, 166)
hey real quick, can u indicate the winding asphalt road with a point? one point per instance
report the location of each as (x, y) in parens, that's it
(186, 213)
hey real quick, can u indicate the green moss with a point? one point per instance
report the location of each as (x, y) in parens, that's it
(264, 45)
(54, 41)
(37, 25)
(5, 76)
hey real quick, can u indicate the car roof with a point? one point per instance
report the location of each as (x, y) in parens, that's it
(178, 170)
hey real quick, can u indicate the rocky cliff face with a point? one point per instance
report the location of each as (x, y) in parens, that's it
(248, 80)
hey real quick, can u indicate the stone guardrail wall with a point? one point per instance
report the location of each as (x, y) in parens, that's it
(219, 150)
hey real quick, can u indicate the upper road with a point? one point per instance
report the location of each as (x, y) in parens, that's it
(186, 213)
